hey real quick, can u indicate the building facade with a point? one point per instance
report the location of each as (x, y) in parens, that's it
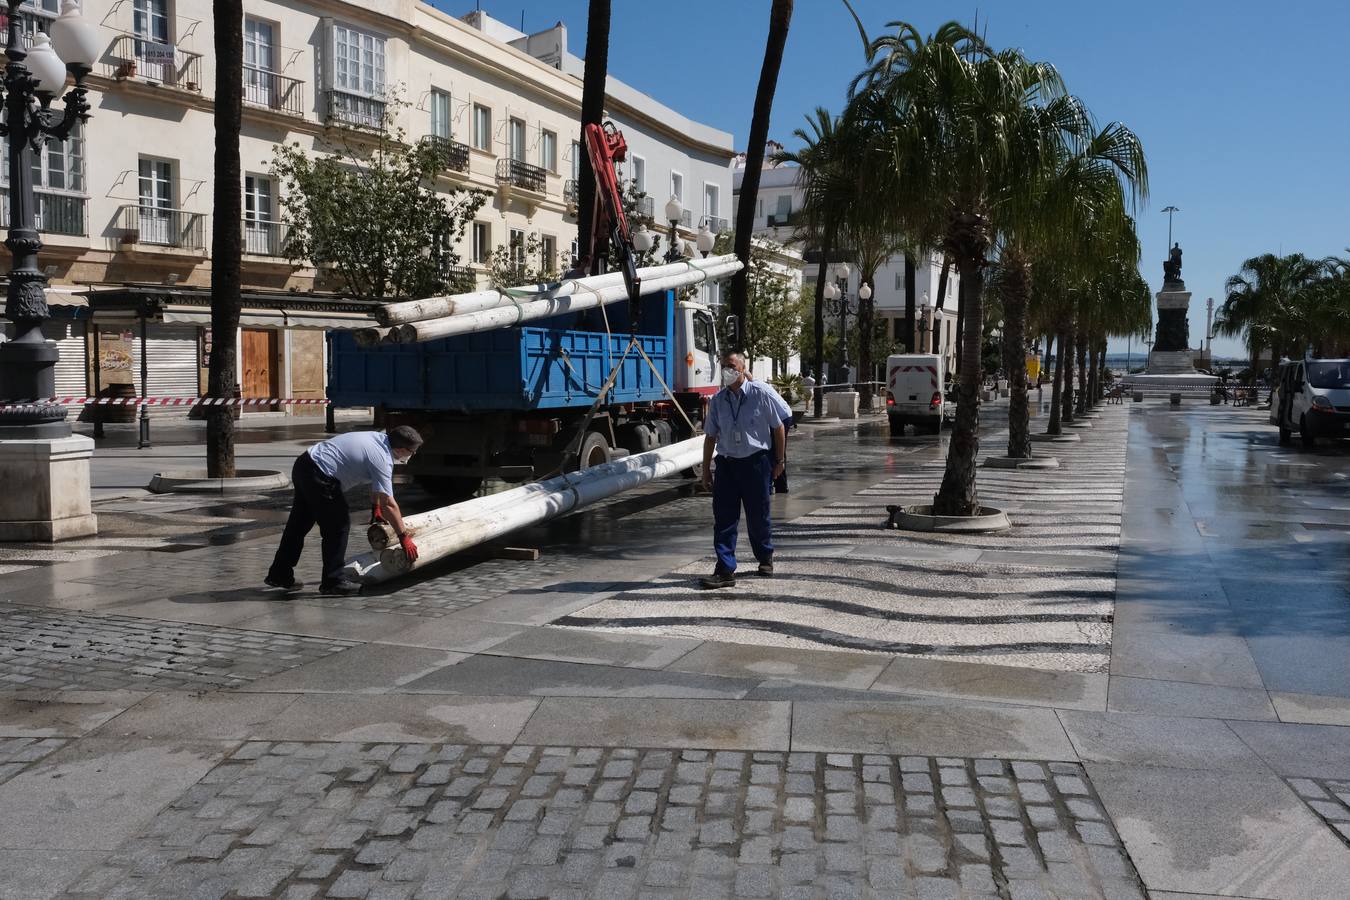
(777, 208)
(128, 200)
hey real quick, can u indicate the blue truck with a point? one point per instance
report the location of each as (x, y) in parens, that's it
(507, 403)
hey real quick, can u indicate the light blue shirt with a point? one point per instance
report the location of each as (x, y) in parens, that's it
(743, 422)
(357, 458)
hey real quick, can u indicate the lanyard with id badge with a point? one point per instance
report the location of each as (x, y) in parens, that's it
(737, 437)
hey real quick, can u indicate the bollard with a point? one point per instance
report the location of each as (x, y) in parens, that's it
(1175, 398)
(1138, 396)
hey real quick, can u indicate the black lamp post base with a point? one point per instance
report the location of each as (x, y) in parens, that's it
(34, 431)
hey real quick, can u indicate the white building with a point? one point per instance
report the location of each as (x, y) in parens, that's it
(127, 203)
(777, 206)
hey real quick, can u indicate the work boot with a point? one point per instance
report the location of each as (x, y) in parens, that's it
(289, 587)
(720, 578)
(765, 569)
(340, 588)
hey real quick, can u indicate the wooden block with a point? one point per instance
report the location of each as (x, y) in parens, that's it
(525, 554)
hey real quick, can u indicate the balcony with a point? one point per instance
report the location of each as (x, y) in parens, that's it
(514, 173)
(716, 224)
(264, 238)
(353, 110)
(782, 220)
(646, 208)
(571, 192)
(132, 57)
(687, 219)
(270, 90)
(156, 226)
(453, 155)
(55, 214)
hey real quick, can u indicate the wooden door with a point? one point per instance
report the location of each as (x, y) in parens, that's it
(260, 368)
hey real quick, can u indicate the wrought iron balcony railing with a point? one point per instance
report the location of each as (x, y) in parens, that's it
(160, 227)
(716, 224)
(571, 191)
(56, 213)
(646, 207)
(454, 156)
(264, 238)
(272, 90)
(522, 175)
(353, 110)
(782, 220)
(136, 57)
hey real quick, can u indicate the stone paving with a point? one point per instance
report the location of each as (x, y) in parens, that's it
(295, 820)
(16, 754)
(1329, 799)
(68, 651)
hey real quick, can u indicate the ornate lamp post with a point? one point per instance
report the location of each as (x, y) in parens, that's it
(32, 79)
(674, 212)
(47, 465)
(837, 304)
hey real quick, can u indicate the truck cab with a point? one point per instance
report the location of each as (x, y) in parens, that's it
(1312, 397)
(914, 394)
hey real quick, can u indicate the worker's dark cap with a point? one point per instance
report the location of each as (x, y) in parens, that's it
(404, 437)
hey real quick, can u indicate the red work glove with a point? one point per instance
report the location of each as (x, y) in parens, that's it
(406, 542)
(375, 514)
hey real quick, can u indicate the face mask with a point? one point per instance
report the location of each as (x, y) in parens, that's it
(730, 377)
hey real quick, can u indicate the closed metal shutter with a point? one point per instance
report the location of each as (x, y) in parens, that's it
(173, 360)
(70, 368)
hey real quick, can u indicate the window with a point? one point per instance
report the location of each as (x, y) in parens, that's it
(60, 165)
(150, 22)
(640, 173)
(260, 229)
(710, 198)
(482, 241)
(482, 127)
(900, 281)
(784, 208)
(548, 253)
(548, 150)
(677, 186)
(575, 252)
(703, 333)
(358, 62)
(576, 161)
(517, 138)
(156, 183)
(517, 245)
(440, 114)
(259, 45)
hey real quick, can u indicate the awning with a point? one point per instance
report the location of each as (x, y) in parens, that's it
(270, 318)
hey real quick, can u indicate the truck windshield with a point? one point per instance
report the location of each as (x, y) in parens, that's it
(1329, 375)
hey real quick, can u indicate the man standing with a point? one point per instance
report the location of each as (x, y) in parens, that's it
(321, 475)
(745, 427)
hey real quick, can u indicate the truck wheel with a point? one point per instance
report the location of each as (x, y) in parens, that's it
(594, 451)
(1308, 438)
(449, 487)
(1285, 436)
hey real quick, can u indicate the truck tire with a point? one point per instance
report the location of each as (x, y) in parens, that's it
(1286, 436)
(1309, 439)
(449, 487)
(594, 451)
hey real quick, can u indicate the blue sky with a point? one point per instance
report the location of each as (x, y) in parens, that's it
(1243, 106)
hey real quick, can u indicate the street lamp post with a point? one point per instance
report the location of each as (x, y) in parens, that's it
(926, 325)
(674, 212)
(37, 449)
(32, 79)
(837, 303)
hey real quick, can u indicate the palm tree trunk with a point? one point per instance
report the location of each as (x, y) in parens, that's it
(1256, 359)
(957, 495)
(1049, 358)
(780, 16)
(1080, 402)
(866, 365)
(226, 235)
(1066, 344)
(1014, 353)
(942, 282)
(1093, 374)
(594, 73)
(819, 362)
(1057, 391)
(960, 323)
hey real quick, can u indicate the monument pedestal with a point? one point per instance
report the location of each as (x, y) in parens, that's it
(1171, 364)
(46, 489)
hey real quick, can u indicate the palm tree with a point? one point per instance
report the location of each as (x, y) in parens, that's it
(780, 16)
(972, 134)
(226, 235)
(823, 178)
(594, 73)
(1263, 301)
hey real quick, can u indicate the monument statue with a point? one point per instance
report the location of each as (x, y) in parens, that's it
(1172, 266)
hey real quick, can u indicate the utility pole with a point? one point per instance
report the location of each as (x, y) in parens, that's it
(1170, 210)
(1209, 328)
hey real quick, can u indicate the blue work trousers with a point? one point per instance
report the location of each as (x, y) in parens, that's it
(744, 482)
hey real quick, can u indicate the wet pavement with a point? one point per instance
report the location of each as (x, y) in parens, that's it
(1142, 689)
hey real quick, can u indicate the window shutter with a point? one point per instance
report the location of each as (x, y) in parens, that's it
(327, 49)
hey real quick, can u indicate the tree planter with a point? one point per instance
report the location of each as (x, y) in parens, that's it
(1077, 424)
(921, 518)
(195, 481)
(1055, 438)
(1021, 462)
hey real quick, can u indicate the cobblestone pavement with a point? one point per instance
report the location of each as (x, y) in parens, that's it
(16, 754)
(1329, 799)
(302, 820)
(70, 651)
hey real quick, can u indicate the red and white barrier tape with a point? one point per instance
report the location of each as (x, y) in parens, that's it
(166, 401)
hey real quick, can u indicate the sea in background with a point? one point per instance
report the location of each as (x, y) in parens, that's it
(1117, 362)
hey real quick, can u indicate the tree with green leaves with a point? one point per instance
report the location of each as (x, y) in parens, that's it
(1267, 301)
(226, 236)
(521, 261)
(370, 211)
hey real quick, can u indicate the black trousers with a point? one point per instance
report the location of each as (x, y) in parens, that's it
(318, 499)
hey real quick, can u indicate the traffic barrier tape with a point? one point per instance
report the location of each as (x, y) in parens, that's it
(166, 401)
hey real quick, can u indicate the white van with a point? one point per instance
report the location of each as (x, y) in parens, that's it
(1312, 397)
(914, 393)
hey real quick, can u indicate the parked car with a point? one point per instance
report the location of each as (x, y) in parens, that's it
(1312, 397)
(914, 392)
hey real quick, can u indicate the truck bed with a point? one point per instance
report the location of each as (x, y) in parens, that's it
(557, 363)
